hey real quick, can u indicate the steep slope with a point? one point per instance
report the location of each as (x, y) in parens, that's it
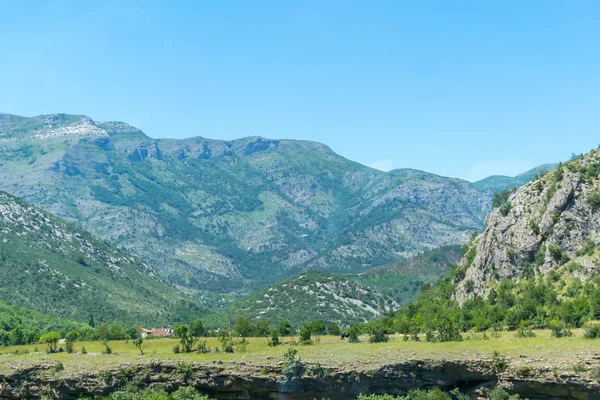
(403, 280)
(498, 183)
(55, 268)
(226, 215)
(549, 227)
(311, 295)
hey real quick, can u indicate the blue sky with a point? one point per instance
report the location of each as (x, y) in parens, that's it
(458, 88)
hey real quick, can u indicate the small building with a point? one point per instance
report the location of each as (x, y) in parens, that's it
(157, 332)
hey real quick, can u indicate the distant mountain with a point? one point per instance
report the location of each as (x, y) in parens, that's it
(61, 271)
(227, 216)
(311, 295)
(499, 183)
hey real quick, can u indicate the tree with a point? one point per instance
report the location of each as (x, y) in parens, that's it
(103, 333)
(333, 329)
(115, 332)
(70, 341)
(197, 328)
(305, 334)
(183, 333)
(317, 327)
(285, 328)
(274, 339)
(51, 340)
(139, 342)
(17, 336)
(91, 323)
(244, 327)
(262, 328)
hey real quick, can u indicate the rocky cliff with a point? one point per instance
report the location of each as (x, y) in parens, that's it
(550, 225)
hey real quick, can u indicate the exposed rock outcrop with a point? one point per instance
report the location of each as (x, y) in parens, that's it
(544, 225)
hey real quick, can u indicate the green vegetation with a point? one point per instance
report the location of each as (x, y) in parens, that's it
(329, 298)
(134, 393)
(57, 269)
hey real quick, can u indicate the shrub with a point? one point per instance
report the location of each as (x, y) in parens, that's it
(353, 333)
(273, 340)
(107, 348)
(226, 342)
(524, 331)
(499, 361)
(559, 329)
(57, 367)
(592, 332)
(579, 368)
(176, 349)
(448, 331)
(202, 347)
(505, 208)
(292, 365)
(285, 328)
(376, 331)
(51, 340)
(305, 334)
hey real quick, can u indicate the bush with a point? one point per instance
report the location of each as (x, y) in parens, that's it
(376, 331)
(273, 340)
(51, 340)
(559, 329)
(176, 349)
(107, 348)
(202, 347)
(353, 334)
(285, 328)
(524, 331)
(505, 209)
(305, 334)
(592, 332)
(292, 365)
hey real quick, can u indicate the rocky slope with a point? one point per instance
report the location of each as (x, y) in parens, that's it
(230, 215)
(54, 267)
(551, 225)
(311, 295)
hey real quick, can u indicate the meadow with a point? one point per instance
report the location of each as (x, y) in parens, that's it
(561, 354)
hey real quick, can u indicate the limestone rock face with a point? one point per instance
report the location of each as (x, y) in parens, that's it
(545, 224)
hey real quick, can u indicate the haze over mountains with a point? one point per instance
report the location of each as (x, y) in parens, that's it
(225, 216)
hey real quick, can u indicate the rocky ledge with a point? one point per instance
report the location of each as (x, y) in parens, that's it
(243, 381)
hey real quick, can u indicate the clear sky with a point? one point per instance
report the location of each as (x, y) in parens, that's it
(458, 88)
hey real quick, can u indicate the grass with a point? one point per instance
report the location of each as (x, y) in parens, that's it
(329, 352)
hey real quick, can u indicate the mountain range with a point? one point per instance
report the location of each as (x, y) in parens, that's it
(222, 219)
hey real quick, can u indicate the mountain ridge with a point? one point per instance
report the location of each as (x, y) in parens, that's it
(231, 216)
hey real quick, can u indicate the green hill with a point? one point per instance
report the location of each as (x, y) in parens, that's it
(311, 295)
(499, 183)
(227, 216)
(403, 280)
(55, 268)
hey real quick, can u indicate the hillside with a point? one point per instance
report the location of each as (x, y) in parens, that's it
(548, 228)
(311, 295)
(57, 269)
(499, 183)
(227, 216)
(403, 280)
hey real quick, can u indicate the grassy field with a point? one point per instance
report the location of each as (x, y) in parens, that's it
(542, 351)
